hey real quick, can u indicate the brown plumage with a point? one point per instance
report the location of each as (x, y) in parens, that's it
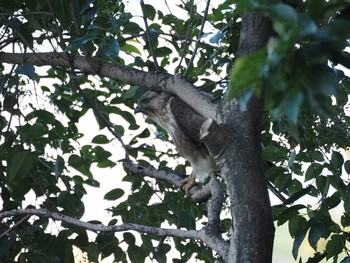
(183, 124)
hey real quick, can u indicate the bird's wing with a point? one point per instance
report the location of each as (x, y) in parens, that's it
(189, 120)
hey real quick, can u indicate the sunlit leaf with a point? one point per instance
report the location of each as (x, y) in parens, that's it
(247, 70)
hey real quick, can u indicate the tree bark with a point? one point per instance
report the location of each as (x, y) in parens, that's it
(173, 84)
(236, 147)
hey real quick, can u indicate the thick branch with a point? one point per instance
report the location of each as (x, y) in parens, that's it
(214, 207)
(155, 81)
(191, 234)
(196, 193)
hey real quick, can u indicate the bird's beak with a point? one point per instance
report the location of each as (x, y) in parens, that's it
(137, 110)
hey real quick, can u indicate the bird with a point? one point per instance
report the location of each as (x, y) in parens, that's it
(183, 124)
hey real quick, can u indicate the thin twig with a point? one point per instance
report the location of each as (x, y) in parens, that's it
(144, 15)
(198, 40)
(99, 114)
(15, 225)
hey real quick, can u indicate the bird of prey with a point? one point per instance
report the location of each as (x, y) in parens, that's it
(183, 124)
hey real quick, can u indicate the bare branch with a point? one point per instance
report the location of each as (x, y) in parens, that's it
(151, 47)
(189, 66)
(174, 84)
(200, 101)
(220, 248)
(215, 206)
(196, 193)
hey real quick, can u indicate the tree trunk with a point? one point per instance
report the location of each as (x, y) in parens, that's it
(241, 162)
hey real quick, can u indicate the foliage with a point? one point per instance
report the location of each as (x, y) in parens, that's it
(42, 147)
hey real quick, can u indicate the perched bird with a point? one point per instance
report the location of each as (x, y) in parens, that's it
(183, 124)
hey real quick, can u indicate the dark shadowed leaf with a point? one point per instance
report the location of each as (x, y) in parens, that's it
(315, 233)
(79, 42)
(20, 165)
(26, 69)
(109, 49)
(100, 139)
(282, 13)
(297, 242)
(114, 194)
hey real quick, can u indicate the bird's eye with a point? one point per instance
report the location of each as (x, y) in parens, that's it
(146, 101)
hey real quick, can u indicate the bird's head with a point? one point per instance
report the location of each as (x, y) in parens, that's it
(152, 102)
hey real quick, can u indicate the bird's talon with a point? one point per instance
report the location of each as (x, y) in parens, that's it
(187, 183)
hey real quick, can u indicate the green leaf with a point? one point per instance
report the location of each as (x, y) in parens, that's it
(162, 51)
(289, 213)
(26, 69)
(307, 26)
(273, 153)
(248, 70)
(109, 49)
(136, 254)
(297, 242)
(297, 195)
(314, 170)
(292, 106)
(132, 27)
(315, 233)
(282, 13)
(114, 194)
(129, 238)
(44, 115)
(36, 130)
(100, 139)
(150, 12)
(337, 161)
(130, 49)
(20, 165)
(296, 224)
(335, 245)
(80, 164)
(291, 158)
(347, 166)
(321, 79)
(317, 156)
(79, 42)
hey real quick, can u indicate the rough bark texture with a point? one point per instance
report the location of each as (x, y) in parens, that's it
(242, 165)
(252, 239)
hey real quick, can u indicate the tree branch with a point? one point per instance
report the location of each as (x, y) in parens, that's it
(204, 18)
(174, 84)
(196, 193)
(215, 206)
(148, 35)
(190, 234)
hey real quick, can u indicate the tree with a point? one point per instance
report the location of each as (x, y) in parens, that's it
(276, 74)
